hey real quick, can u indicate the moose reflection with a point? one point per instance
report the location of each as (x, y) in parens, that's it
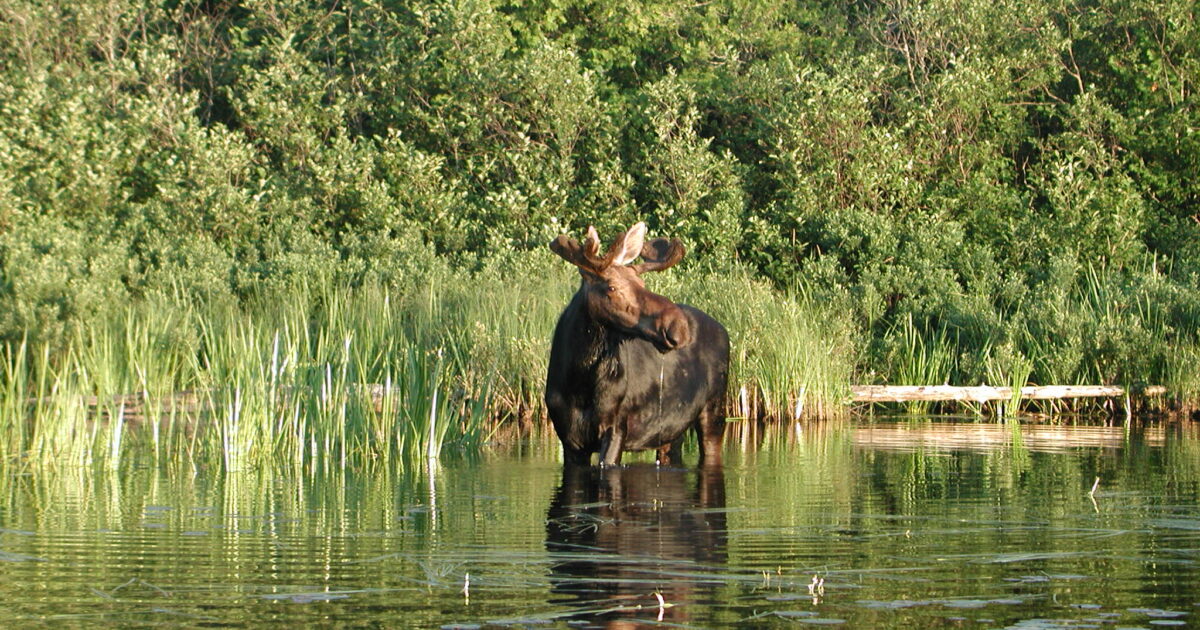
(629, 369)
(619, 535)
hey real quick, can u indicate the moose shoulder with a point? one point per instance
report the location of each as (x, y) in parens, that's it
(629, 369)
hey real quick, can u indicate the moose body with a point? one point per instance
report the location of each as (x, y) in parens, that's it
(629, 369)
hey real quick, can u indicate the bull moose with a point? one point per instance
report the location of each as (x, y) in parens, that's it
(629, 369)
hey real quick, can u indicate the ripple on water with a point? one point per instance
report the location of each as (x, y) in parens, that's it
(976, 537)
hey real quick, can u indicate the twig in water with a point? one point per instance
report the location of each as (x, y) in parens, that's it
(1092, 495)
(816, 588)
(818, 585)
(134, 582)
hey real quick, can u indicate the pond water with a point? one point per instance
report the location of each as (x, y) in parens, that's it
(919, 523)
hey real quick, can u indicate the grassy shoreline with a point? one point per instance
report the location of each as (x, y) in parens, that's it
(322, 373)
(262, 204)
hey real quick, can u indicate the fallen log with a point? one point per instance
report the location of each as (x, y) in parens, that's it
(984, 393)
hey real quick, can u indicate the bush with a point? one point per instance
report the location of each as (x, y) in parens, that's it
(967, 171)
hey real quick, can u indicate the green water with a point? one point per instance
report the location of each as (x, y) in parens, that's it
(918, 524)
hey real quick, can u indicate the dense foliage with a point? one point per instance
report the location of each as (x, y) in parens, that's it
(992, 190)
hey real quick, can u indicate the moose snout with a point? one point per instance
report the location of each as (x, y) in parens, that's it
(673, 330)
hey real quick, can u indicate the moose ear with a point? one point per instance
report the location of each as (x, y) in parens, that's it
(660, 254)
(628, 246)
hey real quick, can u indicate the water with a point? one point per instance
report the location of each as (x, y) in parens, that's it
(914, 524)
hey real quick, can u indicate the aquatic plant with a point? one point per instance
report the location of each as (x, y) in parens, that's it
(322, 373)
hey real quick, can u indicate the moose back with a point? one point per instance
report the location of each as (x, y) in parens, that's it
(629, 369)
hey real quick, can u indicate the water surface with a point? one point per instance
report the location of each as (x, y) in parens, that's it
(911, 524)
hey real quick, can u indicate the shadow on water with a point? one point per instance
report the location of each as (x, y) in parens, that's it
(620, 538)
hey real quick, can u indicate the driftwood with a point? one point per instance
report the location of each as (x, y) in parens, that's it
(984, 393)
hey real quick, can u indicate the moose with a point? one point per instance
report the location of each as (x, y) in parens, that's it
(629, 369)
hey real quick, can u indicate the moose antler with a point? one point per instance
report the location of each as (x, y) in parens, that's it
(660, 254)
(624, 249)
(586, 256)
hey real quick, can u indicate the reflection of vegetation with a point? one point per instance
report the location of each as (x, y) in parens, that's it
(225, 543)
(983, 515)
(1181, 465)
(917, 522)
(825, 475)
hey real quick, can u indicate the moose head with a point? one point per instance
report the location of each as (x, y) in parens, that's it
(615, 293)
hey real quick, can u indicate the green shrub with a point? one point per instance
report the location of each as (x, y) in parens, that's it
(1012, 180)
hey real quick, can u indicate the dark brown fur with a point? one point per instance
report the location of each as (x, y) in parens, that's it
(629, 369)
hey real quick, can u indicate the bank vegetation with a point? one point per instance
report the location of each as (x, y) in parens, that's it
(252, 200)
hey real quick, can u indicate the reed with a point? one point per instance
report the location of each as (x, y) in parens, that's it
(13, 437)
(1096, 326)
(322, 374)
(1124, 327)
(1008, 367)
(792, 354)
(920, 358)
(286, 377)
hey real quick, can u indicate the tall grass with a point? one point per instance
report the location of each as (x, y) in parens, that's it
(321, 374)
(1091, 326)
(792, 355)
(1007, 367)
(1119, 327)
(920, 358)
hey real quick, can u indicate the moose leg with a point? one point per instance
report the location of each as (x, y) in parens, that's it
(610, 448)
(573, 457)
(710, 428)
(574, 424)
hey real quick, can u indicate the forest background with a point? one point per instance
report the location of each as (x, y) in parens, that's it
(962, 191)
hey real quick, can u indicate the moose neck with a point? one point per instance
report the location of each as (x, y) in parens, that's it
(596, 338)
